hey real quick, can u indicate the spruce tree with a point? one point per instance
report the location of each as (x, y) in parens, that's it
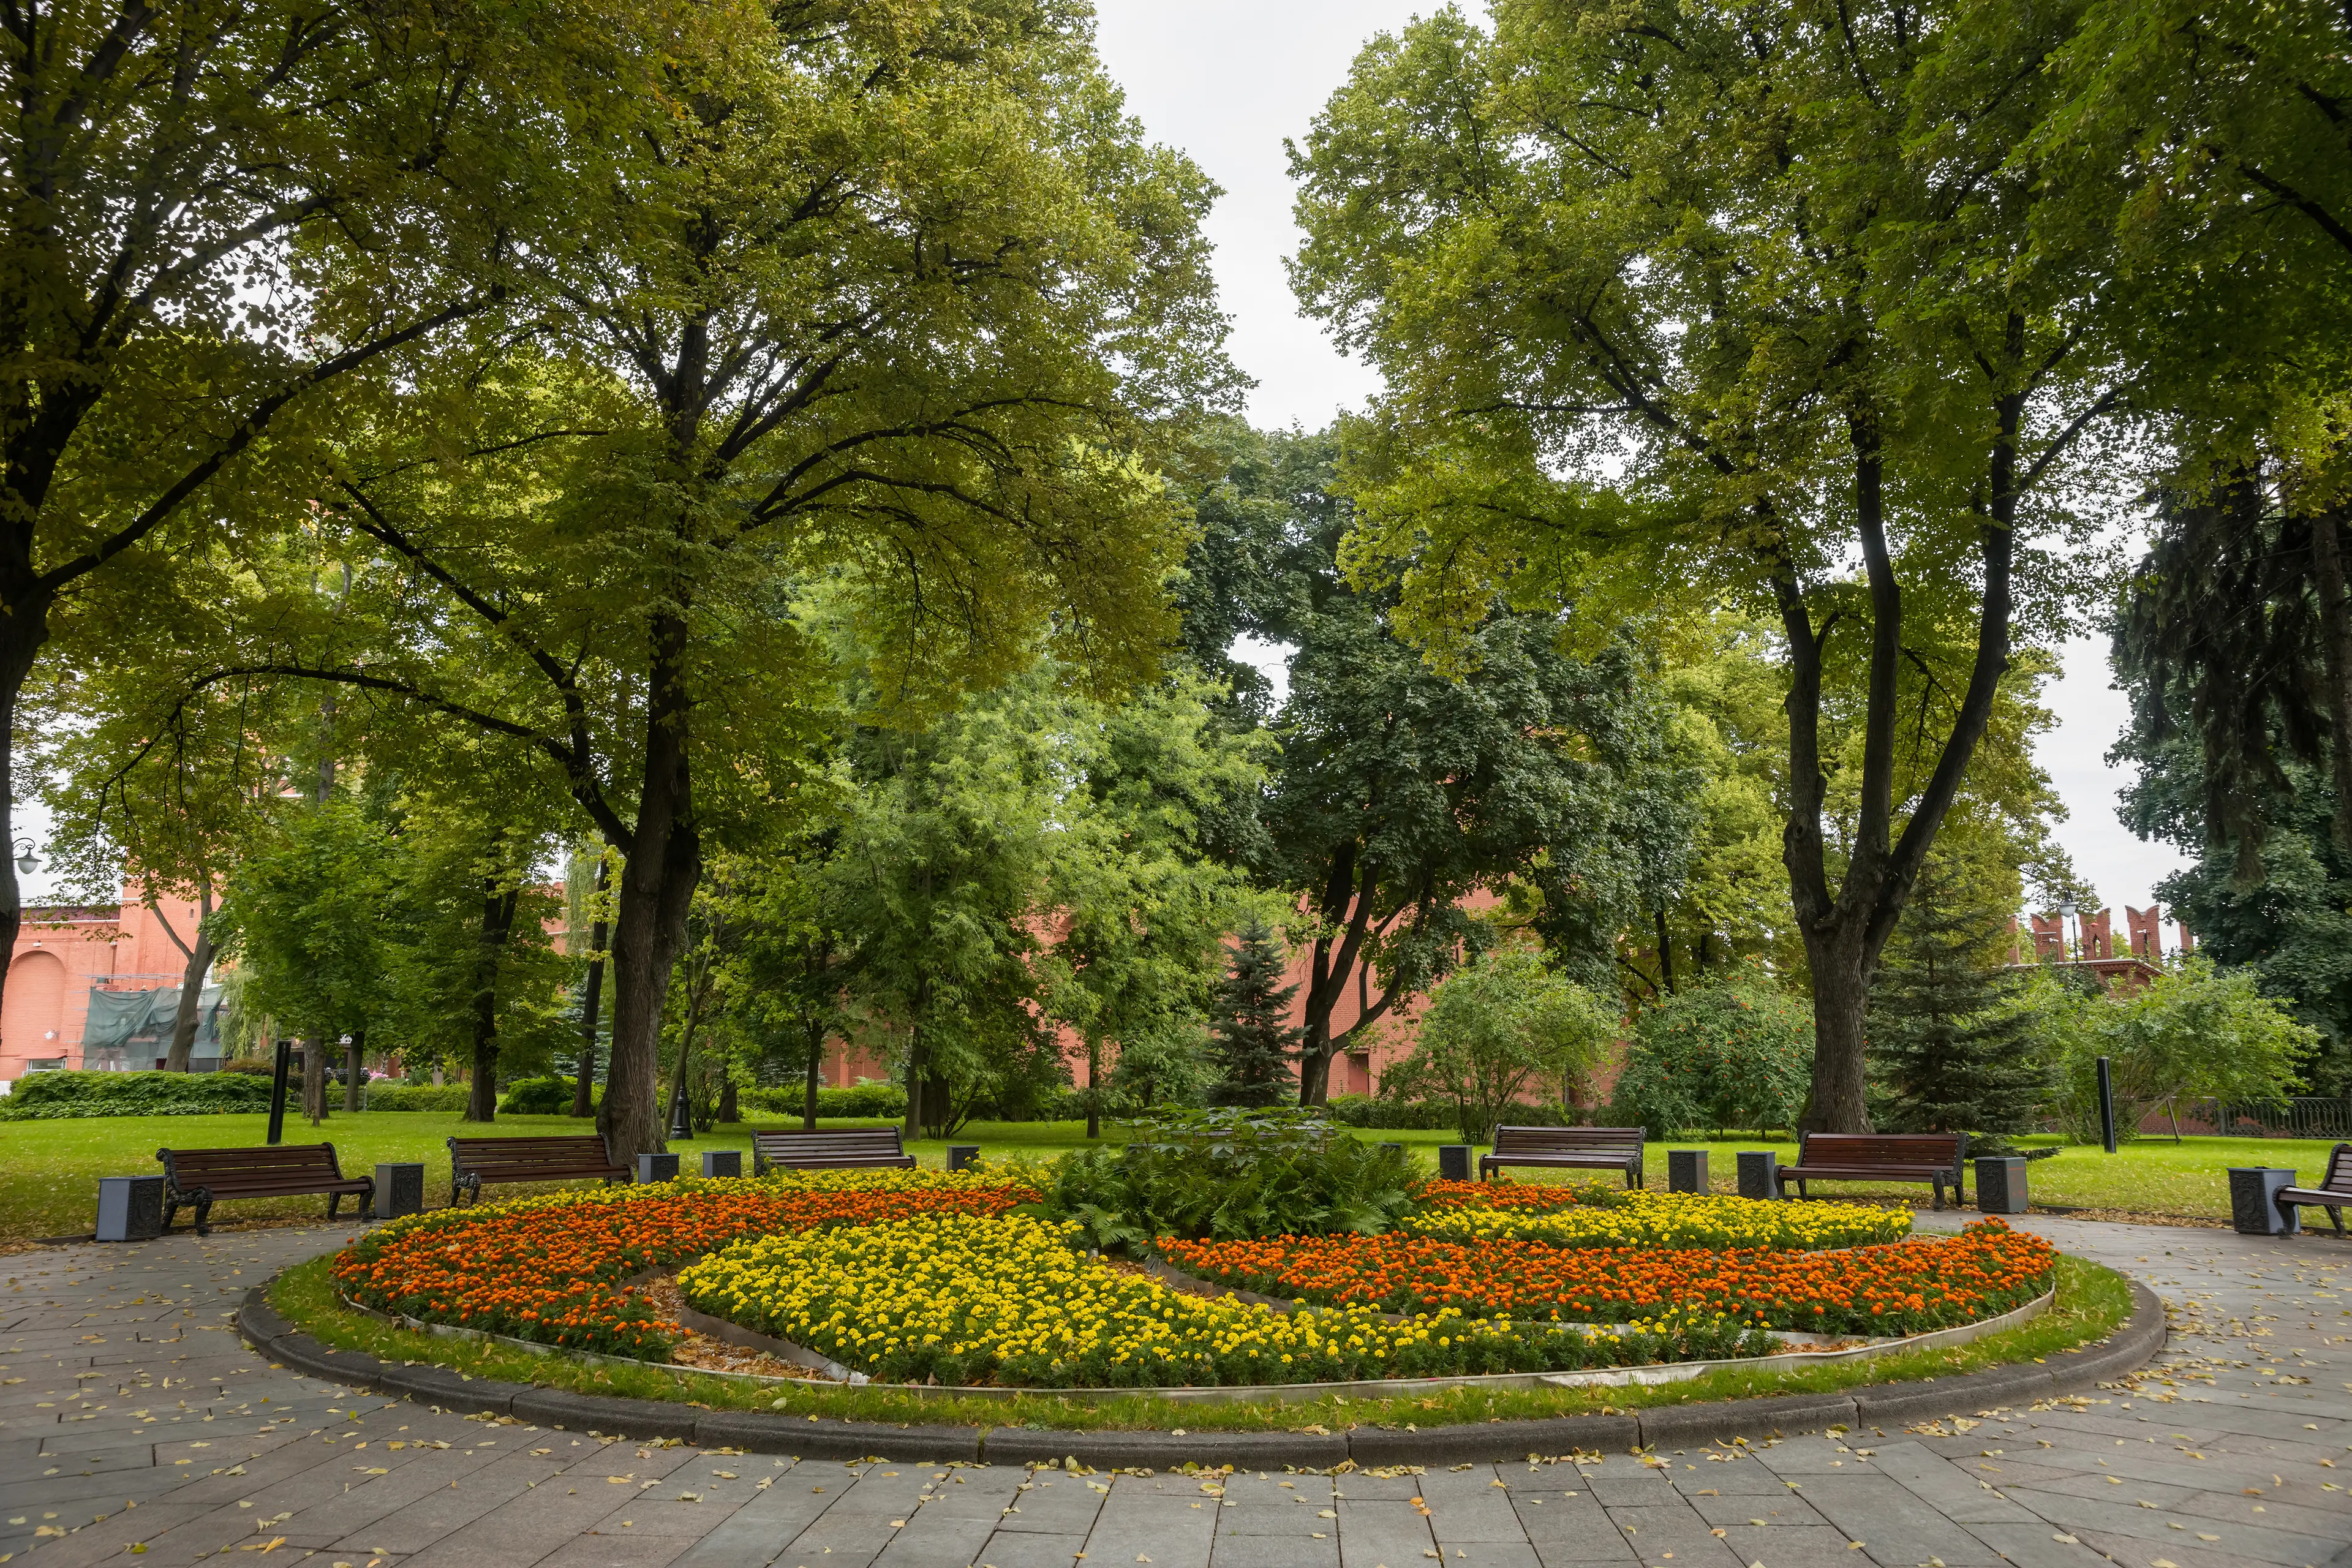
(1949, 1039)
(1251, 1040)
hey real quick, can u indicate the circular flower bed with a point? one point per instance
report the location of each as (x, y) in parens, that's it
(961, 1298)
(1905, 1288)
(929, 1277)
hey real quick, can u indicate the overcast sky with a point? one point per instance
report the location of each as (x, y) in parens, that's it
(1192, 85)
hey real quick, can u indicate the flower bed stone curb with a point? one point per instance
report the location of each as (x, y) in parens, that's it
(1883, 1405)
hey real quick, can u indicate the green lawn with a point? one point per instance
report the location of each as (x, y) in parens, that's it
(50, 1170)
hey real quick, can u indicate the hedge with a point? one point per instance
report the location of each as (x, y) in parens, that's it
(56, 1096)
(862, 1100)
(416, 1096)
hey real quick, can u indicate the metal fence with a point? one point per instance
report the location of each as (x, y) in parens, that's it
(2304, 1116)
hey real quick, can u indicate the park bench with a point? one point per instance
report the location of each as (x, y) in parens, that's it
(1934, 1158)
(475, 1163)
(861, 1147)
(203, 1177)
(1567, 1147)
(2334, 1192)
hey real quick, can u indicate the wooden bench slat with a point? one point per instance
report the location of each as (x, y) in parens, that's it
(1567, 1147)
(202, 1177)
(1934, 1158)
(475, 1163)
(829, 1149)
(2334, 1192)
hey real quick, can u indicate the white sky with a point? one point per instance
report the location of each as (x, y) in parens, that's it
(1226, 81)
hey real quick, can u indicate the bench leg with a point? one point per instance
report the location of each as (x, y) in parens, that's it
(2336, 1212)
(171, 1210)
(335, 1202)
(1940, 1194)
(203, 1216)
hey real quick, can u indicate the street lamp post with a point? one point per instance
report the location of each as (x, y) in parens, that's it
(2066, 908)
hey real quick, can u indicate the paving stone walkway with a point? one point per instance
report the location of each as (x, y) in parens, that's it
(133, 1423)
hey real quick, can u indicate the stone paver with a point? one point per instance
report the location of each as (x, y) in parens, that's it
(131, 1415)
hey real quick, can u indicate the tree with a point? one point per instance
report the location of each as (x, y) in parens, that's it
(1140, 904)
(1252, 1044)
(1732, 1053)
(2197, 1031)
(1682, 303)
(1501, 1028)
(217, 217)
(1947, 1034)
(477, 979)
(900, 307)
(2268, 887)
(312, 918)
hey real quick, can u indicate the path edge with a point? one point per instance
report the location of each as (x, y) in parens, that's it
(1878, 1406)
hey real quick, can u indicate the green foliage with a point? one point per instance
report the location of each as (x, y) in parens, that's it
(1232, 1174)
(52, 1096)
(312, 918)
(443, 1097)
(1506, 1026)
(1251, 1040)
(2199, 1030)
(870, 1102)
(1734, 1053)
(526, 1097)
(1948, 1035)
(1701, 310)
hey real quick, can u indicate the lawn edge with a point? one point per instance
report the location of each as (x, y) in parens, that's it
(1878, 1406)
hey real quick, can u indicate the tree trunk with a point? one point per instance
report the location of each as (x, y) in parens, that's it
(2335, 642)
(917, 1066)
(314, 1078)
(591, 991)
(729, 1113)
(816, 1076)
(1844, 933)
(1094, 1100)
(192, 986)
(497, 923)
(1839, 1101)
(1665, 952)
(354, 1070)
(23, 630)
(662, 861)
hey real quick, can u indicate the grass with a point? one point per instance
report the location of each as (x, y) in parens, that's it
(50, 1170)
(2092, 1302)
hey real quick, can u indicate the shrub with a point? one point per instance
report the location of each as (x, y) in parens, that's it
(2198, 1030)
(1232, 1172)
(860, 1099)
(416, 1097)
(538, 1097)
(1507, 1024)
(57, 1096)
(1737, 1052)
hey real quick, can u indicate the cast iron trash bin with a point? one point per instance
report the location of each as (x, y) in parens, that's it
(2001, 1184)
(656, 1167)
(962, 1156)
(723, 1161)
(1454, 1162)
(1685, 1170)
(399, 1189)
(1759, 1173)
(2253, 1202)
(130, 1208)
